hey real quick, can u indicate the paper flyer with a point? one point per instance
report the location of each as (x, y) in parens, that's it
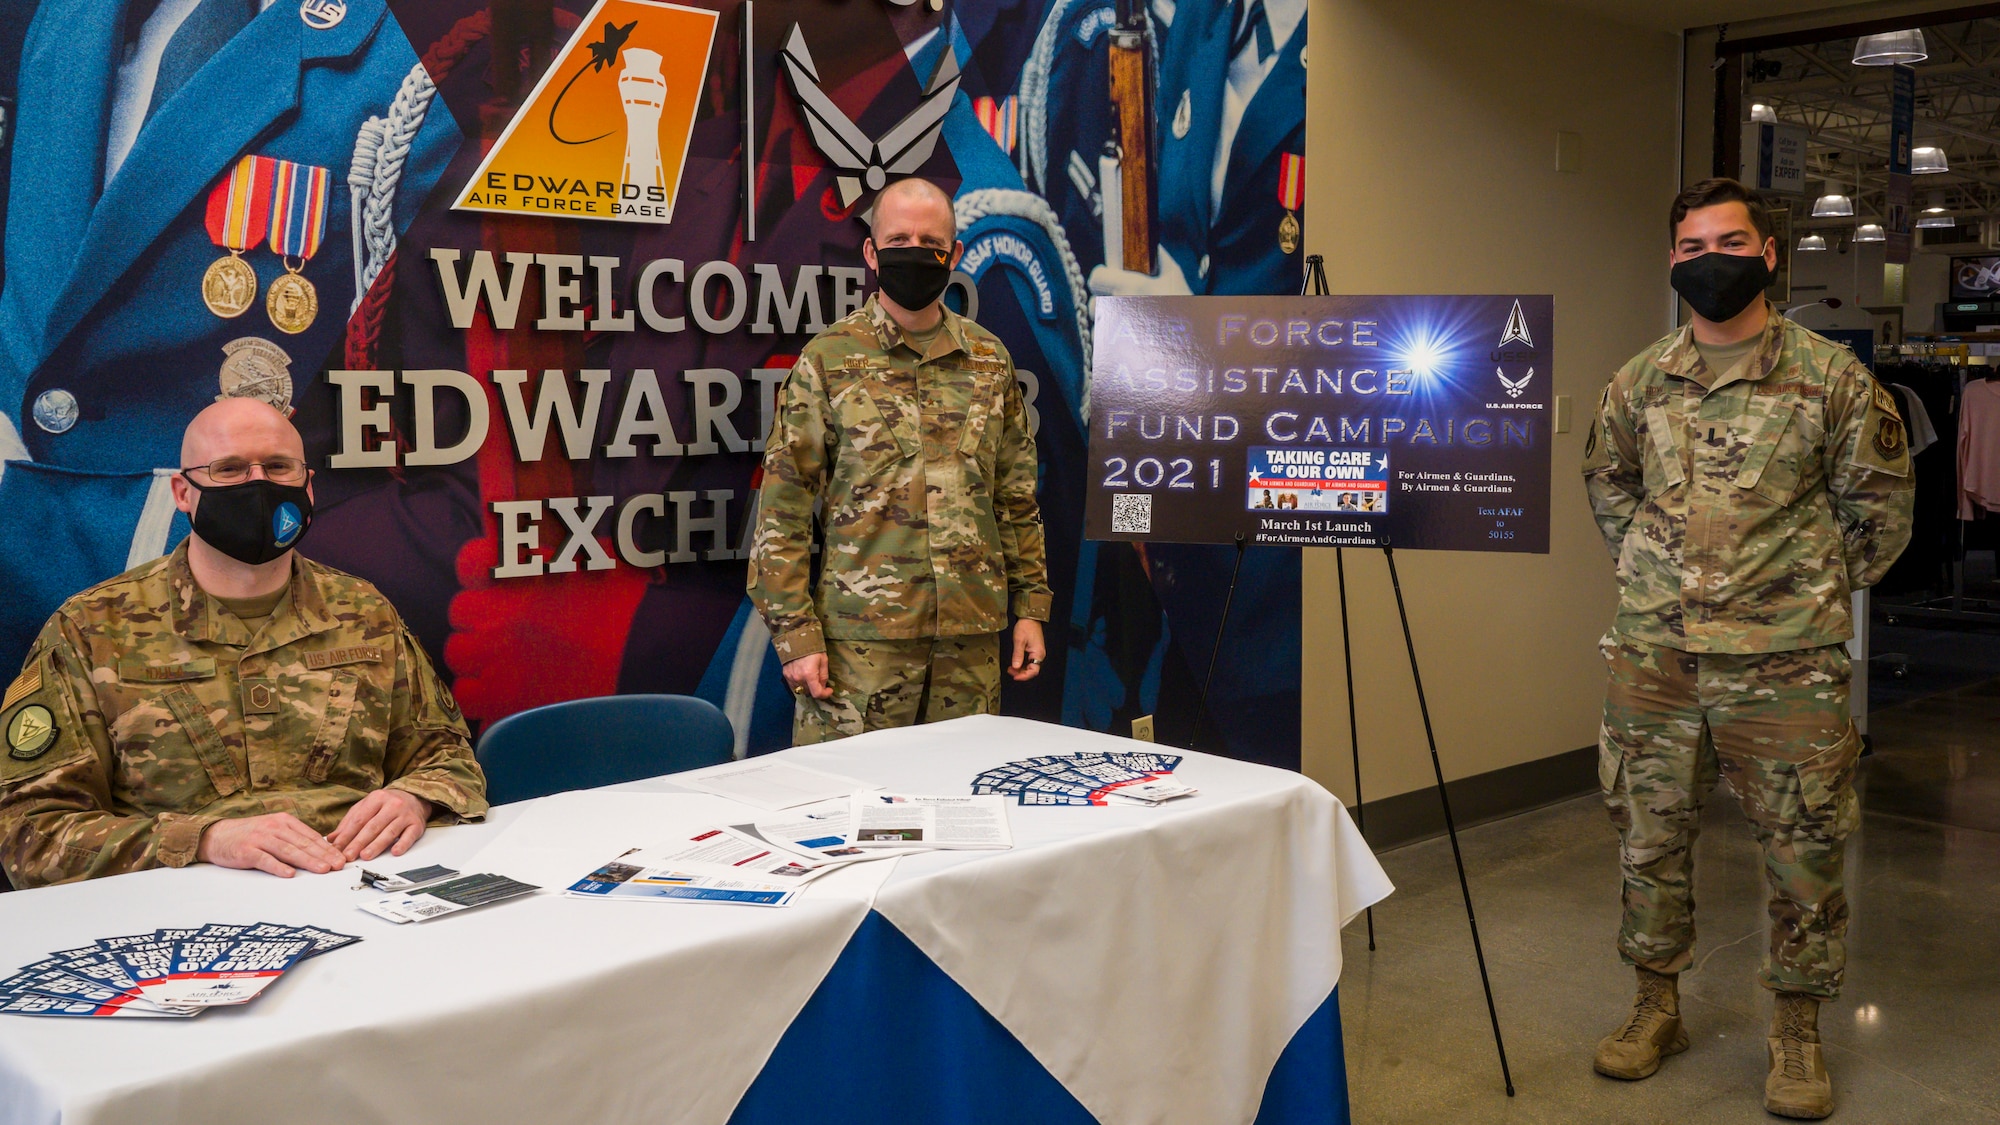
(945, 822)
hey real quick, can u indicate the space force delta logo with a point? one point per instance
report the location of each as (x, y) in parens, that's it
(1516, 332)
(604, 134)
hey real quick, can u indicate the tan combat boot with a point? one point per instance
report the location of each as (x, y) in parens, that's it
(1650, 1033)
(1798, 1085)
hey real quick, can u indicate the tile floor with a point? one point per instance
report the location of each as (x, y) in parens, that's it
(1915, 1039)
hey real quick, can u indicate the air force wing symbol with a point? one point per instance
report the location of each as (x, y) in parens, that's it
(1515, 387)
(902, 150)
(1517, 328)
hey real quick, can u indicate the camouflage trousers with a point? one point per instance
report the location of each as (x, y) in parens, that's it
(1776, 727)
(879, 684)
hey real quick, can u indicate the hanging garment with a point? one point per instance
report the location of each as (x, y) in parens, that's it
(1979, 448)
(1916, 419)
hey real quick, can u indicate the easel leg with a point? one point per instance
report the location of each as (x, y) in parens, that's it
(1450, 828)
(1201, 711)
(1353, 737)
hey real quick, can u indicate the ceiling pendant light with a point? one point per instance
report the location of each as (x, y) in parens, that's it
(1761, 112)
(1870, 232)
(1891, 48)
(1832, 205)
(1934, 220)
(1812, 242)
(1927, 160)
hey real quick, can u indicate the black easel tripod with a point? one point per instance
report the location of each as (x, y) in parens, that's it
(1315, 285)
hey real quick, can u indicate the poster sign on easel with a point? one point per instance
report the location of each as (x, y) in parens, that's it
(1328, 421)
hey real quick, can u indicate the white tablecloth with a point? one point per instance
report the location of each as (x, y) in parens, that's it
(1156, 961)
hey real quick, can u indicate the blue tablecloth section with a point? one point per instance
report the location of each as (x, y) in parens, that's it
(889, 1037)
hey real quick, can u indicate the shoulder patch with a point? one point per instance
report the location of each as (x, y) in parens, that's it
(31, 730)
(1889, 439)
(1885, 401)
(26, 684)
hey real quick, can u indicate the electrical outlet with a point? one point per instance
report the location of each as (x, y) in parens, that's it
(1562, 414)
(1142, 728)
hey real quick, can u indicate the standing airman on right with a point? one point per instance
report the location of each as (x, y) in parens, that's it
(1749, 476)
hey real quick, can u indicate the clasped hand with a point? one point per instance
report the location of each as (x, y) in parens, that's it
(386, 820)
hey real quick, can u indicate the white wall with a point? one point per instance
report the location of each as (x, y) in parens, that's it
(1431, 147)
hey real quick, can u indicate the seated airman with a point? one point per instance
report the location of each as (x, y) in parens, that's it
(233, 702)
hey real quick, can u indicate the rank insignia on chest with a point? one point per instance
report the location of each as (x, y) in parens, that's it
(30, 732)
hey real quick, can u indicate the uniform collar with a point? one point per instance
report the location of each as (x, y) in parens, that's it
(888, 333)
(198, 616)
(1680, 356)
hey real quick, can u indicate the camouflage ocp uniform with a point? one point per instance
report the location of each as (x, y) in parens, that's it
(147, 711)
(919, 471)
(1743, 514)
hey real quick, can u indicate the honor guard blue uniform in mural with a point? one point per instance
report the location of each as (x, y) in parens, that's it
(1230, 81)
(121, 314)
(1228, 109)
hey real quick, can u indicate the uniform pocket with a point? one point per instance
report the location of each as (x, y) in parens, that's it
(153, 760)
(1609, 761)
(869, 431)
(330, 733)
(1663, 453)
(1828, 775)
(1772, 468)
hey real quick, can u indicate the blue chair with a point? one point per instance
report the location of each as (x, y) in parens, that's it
(585, 743)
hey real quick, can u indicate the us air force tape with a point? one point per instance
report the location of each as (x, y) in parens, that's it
(30, 732)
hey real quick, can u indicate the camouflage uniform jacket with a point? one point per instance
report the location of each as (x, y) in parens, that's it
(168, 716)
(923, 472)
(1743, 515)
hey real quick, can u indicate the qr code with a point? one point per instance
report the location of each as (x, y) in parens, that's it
(1132, 513)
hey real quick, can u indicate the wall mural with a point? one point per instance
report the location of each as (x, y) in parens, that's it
(527, 275)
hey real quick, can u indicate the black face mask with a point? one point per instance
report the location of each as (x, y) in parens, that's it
(1718, 286)
(913, 276)
(253, 522)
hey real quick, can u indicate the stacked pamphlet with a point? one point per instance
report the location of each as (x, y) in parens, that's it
(164, 973)
(1140, 777)
(767, 862)
(433, 892)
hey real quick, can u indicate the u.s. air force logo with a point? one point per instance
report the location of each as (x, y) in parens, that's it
(867, 162)
(30, 732)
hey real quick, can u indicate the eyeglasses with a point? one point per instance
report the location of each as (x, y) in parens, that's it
(236, 470)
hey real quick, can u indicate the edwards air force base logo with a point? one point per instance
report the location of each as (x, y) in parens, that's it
(605, 133)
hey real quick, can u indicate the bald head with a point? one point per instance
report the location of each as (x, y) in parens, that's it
(913, 212)
(240, 427)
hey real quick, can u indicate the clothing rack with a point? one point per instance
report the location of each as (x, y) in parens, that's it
(1953, 605)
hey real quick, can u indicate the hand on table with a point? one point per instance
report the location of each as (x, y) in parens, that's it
(390, 819)
(808, 674)
(1029, 650)
(278, 843)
